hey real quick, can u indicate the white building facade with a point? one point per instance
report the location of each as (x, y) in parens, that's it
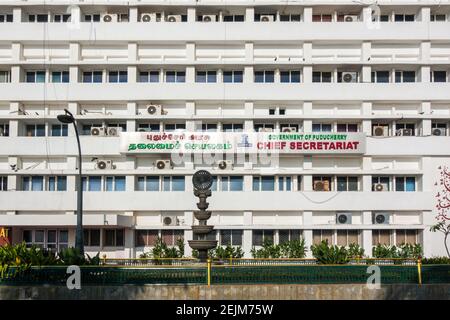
(142, 69)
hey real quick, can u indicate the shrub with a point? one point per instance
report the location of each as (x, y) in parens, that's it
(226, 252)
(355, 251)
(330, 254)
(161, 250)
(72, 256)
(436, 260)
(405, 251)
(288, 249)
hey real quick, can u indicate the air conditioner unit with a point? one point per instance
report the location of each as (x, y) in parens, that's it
(343, 218)
(404, 132)
(288, 129)
(438, 131)
(322, 185)
(105, 165)
(98, 131)
(174, 18)
(148, 17)
(113, 131)
(349, 77)
(208, 18)
(154, 109)
(162, 164)
(381, 218)
(380, 131)
(108, 17)
(380, 187)
(265, 130)
(169, 221)
(224, 164)
(266, 18)
(350, 18)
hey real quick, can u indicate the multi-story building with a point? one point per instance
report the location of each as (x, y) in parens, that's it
(379, 73)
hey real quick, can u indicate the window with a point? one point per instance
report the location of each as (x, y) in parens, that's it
(406, 237)
(322, 183)
(115, 183)
(174, 126)
(405, 76)
(113, 237)
(173, 183)
(439, 76)
(6, 18)
(383, 181)
(264, 76)
(347, 183)
(347, 127)
(347, 237)
(118, 76)
(35, 130)
(146, 237)
(405, 184)
(231, 183)
(52, 239)
(3, 183)
(149, 76)
(290, 76)
(288, 235)
(4, 130)
(321, 127)
(405, 129)
(319, 76)
(148, 183)
(268, 127)
(382, 237)
(4, 77)
(233, 76)
(380, 76)
(233, 18)
(232, 127)
(206, 76)
(60, 76)
(35, 76)
(121, 126)
(264, 183)
(92, 17)
(61, 18)
(92, 183)
(38, 18)
(290, 18)
(259, 236)
(209, 127)
(284, 183)
(175, 76)
(404, 18)
(170, 237)
(148, 127)
(438, 17)
(59, 130)
(230, 237)
(322, 235)
(93, 77)
(91, 237)
(57, 183)
(321, 18)
(86, 128)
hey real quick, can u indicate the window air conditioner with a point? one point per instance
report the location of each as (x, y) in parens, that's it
(322, 185)
(343, 218)
(404, 132)
(438, 131)
(380, 131)
(288, 129)
(98, 131)
(265, 130)
(224, 164)
(154, 109)
(105, 165)
(349, 77)
(208, 18)
(162, 164)
(113, 131)
(108, 17)
(266, 18)
(380, 187)
(174, 18)
(381, 218)
(350, 18)
(169, 221)
(148, 17)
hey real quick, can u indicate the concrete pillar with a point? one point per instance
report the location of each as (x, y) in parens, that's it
(249, 14)
(424, 75)
(367, 123)
(249, 109)
(132, 52)
(307, 14)
(426, 123)
(133, 14)
(190, 52)
(73, 108)
(17, 52)
(247, 234)
(249, 52)
(190, 74)
(307, 233)
(14, 109)
(129, 243)
(366, 242)
(188, 235)
(71, 165)
(16, 74)
(307, 74)
(191, 15)
(132, 74)
(366, 178)
(17, 15)
(74, 74)
(366, 74)
(248, 74)
(190, 108)
(424, 15)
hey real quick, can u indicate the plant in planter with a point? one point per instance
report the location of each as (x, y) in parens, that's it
(293, 249)
(330, 254)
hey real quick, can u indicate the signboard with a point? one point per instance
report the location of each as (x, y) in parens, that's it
(241, 142)
(5, 236)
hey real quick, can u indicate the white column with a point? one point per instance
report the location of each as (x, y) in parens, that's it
(14, 108)
(132, 52)
(16, 74)
(249, 14)
(307, 14)
(17, 15)
(191, 14)
(426, 123)
(249, 52)
(366, 178)
(190, 52)
(73, 108)
(190, 74)
(248, 74)
(308, 233)
(367, 123)
(71, 164)
(133, 14)
(247, 234)
(132, 74)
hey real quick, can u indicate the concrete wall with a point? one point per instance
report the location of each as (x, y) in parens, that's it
(230, 292)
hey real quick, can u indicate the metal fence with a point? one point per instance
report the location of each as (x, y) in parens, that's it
(226, 274)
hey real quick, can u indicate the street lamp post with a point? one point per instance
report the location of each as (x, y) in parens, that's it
(79, 242)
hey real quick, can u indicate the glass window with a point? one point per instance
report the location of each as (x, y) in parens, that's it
(94, 183)
(439, 76)
(60, 76)
(59, 130)
(152, 183)
(178, 183)
(3, 183)
(236, 183)
(259, 236)
(37, 183)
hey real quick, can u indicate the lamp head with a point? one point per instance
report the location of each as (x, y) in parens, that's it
(66, 118)
(202, 180)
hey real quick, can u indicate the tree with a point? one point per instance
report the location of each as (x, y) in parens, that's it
(443, 207)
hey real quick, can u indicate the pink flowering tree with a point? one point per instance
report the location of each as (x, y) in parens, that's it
(443, 206)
